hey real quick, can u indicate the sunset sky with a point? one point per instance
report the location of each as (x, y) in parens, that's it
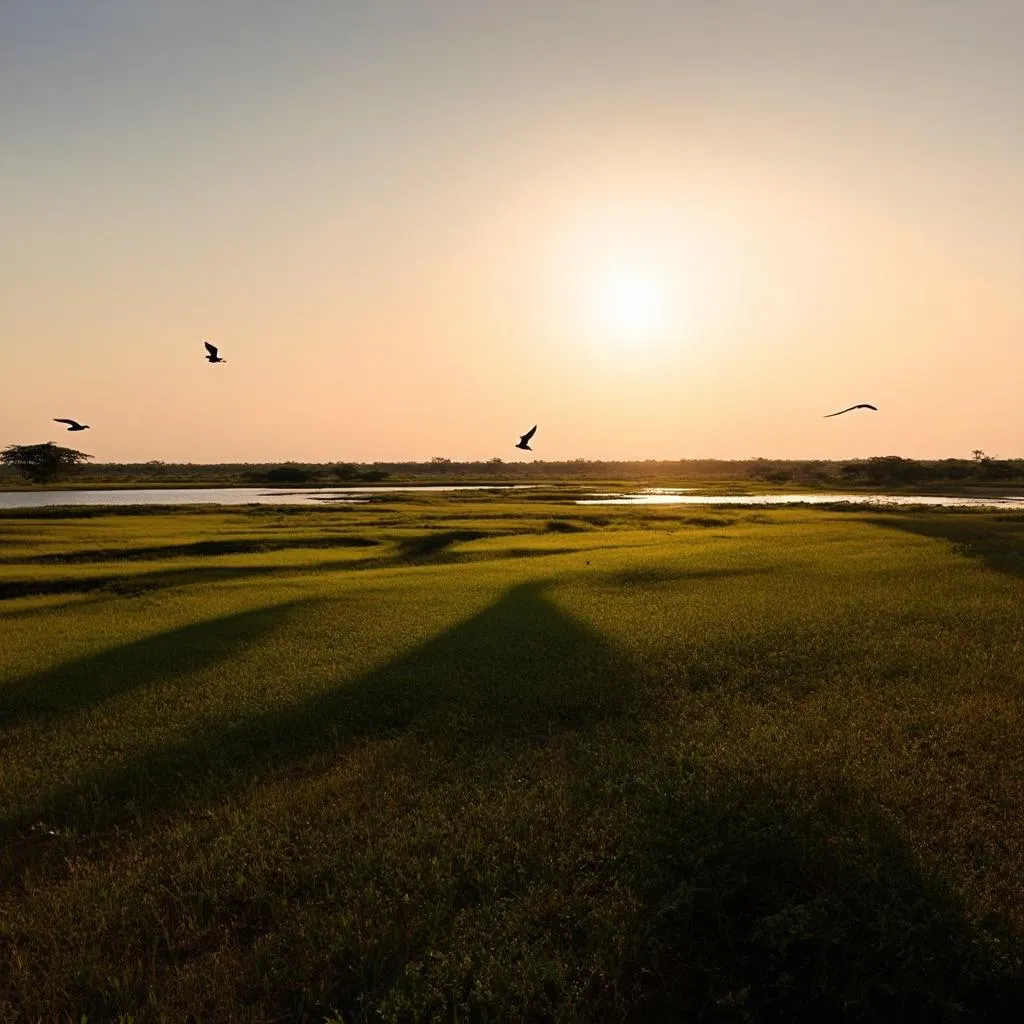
(658, 229)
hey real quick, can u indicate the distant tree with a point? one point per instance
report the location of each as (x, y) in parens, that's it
(496, 461)
(978, 455)
(372, 476)
(42, 463)
(440, 460)
(343, 471)
(893, 469)
(287, 475)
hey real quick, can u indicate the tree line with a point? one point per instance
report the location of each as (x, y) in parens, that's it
(48, 463)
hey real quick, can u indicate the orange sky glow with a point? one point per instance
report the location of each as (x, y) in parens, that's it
(656, 229)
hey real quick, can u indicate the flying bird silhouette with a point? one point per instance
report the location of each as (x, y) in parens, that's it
(863, 405)
(72, 424)
(213, 357)
(524, 441)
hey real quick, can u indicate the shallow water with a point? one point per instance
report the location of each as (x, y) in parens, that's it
(214, 495)
(353, 495)
(680, 496)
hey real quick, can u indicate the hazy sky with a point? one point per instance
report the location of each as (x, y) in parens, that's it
(658, 229)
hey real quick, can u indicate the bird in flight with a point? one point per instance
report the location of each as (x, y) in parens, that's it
(212, 356)
(863, 405)
(524, 441)
(72, 424)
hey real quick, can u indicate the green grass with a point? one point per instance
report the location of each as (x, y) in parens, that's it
(485, 758)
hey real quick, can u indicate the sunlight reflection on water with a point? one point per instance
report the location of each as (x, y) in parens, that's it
(359, 495)
(680, 496)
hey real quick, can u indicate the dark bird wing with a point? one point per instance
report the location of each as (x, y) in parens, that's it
(526, 437)
(212, 349)
(862, 405)
(70, 423)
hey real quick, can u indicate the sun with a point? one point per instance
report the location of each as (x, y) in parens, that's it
(629, 304)
(633, 305)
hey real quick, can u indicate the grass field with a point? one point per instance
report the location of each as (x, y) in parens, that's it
(481, 759)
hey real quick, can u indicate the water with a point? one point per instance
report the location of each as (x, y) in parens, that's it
(680, 496)
(353, 495)
(216, 495)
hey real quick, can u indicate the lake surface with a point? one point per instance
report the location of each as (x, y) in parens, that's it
(353, 495)
(682, 496)
(219, 495)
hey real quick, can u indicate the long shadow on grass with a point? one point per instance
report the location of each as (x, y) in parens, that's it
(772, 899)
(90, 681)
(778, 900)
(515, 673)
(648, 576)
(432, 549)
(133, 584)
(194, 549)
(997, 540)
(746, 898)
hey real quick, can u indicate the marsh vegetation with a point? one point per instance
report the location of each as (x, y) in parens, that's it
(498, 757)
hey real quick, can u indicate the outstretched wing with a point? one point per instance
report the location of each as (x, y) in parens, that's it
(70, 423)
(212, 349)
(526, 437)
(863, 405)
